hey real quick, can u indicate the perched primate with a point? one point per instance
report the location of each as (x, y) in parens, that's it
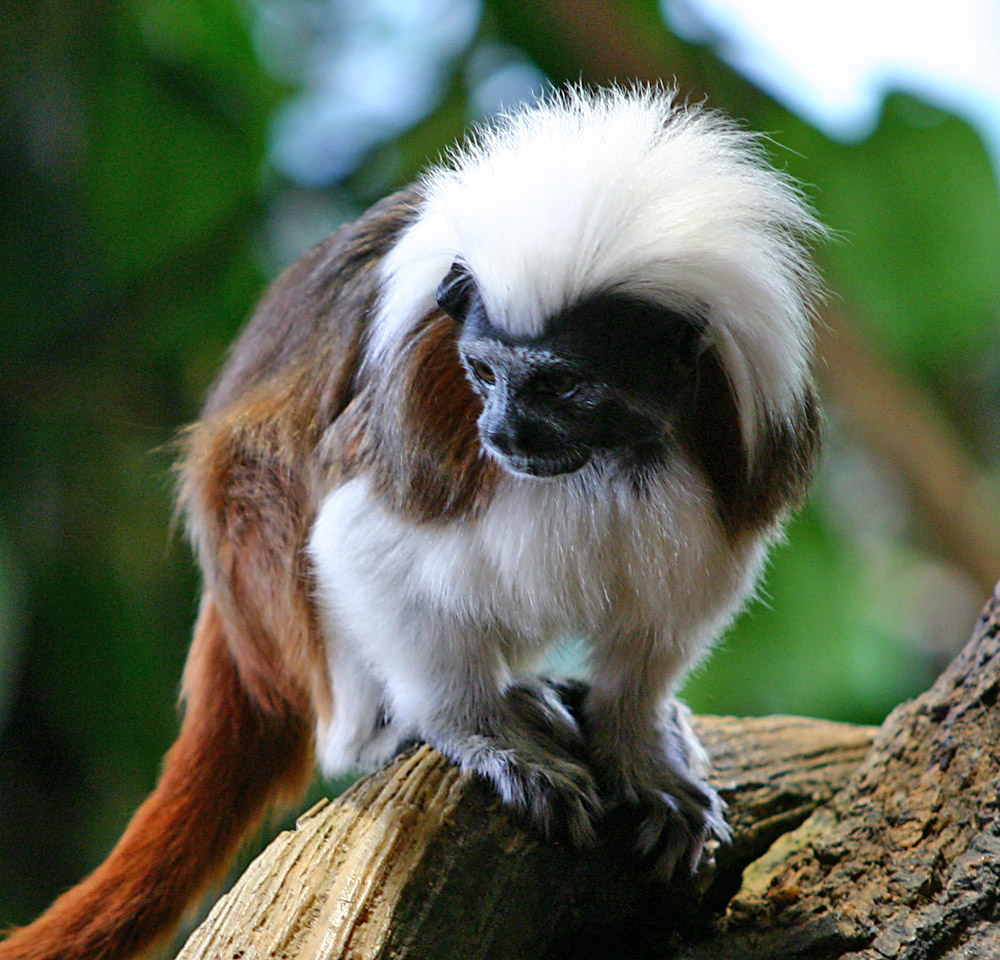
(558, 388)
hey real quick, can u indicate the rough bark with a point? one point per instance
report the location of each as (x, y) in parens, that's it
(904, 862)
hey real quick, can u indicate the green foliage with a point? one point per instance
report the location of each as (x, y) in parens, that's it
(820, 641)
(132, 238)
(137, 210)
(918, 213)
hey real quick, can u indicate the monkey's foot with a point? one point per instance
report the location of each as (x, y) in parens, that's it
(557, 796)
(678, 816)
(660, 777)
(532, 754)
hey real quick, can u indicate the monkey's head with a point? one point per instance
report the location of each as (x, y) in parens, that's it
(603, 378)
(592, 249)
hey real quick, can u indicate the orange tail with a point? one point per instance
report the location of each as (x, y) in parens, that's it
(231, 760)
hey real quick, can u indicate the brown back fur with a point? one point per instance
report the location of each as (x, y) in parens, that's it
(255, 681)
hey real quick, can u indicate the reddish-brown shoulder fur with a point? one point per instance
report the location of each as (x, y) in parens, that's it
(750, 494)
(413, 429)
(256, 678)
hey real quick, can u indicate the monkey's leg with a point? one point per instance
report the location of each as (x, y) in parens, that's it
(362, 731)
(516, 733)
(645, 754)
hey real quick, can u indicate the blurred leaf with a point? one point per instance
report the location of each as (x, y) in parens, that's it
(179, 127)
(814, 643)
(11, 624)
(918, 212)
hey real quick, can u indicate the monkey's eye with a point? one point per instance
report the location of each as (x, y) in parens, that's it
(560, 384)
(483, 373)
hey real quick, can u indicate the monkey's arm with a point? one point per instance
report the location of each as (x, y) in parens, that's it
(645, 755)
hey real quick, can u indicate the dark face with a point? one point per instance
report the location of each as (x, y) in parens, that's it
(604, 379)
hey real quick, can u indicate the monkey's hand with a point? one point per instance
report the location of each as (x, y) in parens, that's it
(661, 775)
(531, 750)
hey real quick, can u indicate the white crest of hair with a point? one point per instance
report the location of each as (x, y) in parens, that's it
(626, 191)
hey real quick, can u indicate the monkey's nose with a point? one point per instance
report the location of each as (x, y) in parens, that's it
(524, 438)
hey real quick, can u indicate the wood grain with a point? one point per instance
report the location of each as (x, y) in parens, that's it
(419, 860)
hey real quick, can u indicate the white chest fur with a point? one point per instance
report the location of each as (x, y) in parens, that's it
(582, 554)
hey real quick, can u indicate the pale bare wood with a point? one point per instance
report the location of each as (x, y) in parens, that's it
(418, 860)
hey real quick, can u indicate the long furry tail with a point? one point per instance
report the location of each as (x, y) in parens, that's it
(233, 758)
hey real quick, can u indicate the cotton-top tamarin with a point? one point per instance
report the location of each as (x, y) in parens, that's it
(560, 387)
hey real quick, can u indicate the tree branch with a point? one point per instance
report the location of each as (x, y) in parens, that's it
(897, 419)
(905, 861)
(420, 861)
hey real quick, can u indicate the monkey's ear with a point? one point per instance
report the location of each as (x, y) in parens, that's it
(692, 340)
(455, 292)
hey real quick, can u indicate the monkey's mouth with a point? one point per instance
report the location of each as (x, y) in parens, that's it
(543, 466)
